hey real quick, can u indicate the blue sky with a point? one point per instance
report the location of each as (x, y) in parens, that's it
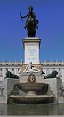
(50, 14)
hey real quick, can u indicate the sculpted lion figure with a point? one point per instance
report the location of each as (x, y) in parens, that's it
(52, 75)
(10, 75)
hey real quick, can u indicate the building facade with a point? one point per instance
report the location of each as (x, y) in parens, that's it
(47, 66)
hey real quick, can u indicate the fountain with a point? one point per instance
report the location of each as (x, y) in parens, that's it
(31, 90)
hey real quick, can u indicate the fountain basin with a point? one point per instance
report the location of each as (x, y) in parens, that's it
(33, 99)
(34, 87)
(32, 93)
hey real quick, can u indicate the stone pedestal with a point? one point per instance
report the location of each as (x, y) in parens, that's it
(31, 46)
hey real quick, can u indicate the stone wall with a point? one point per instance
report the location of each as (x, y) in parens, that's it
(7, 84)
(3, 92)
(55, 87)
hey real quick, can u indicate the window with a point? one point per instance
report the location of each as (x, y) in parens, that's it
(12, 69)
(0, 69)
(60, 72)
(7, 69)
(59, 69)
(18, 69)
(47, 71)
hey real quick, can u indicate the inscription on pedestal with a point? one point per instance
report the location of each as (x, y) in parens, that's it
(32, 53)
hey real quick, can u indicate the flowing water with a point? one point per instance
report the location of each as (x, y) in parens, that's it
(32, 109)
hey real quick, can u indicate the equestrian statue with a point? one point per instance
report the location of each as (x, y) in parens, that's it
(31, 22)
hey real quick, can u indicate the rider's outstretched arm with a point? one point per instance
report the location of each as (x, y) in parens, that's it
(23, 16)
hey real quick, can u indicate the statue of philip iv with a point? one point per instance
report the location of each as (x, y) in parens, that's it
(31, 22)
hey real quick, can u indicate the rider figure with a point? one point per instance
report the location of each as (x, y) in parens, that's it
(31, 18)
